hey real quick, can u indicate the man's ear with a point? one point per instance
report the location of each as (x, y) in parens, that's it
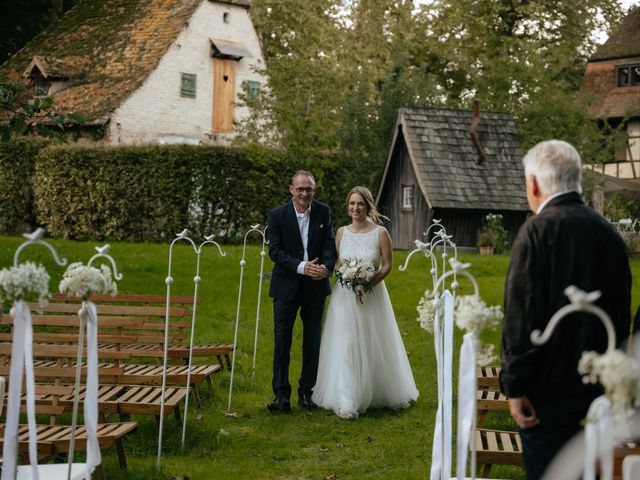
(535, 188)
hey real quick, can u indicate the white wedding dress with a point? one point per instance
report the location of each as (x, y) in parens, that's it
(363, 363)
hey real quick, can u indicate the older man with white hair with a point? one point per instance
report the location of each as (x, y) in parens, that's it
(564, 243)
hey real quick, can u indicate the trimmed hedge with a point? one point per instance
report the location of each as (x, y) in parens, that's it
(150, 193)
(17, 163)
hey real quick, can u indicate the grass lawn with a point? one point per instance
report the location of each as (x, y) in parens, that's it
(257, 444)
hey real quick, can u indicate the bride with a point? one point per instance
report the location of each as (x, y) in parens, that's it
(363, 363)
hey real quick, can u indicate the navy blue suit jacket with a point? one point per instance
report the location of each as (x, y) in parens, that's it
(286, 250)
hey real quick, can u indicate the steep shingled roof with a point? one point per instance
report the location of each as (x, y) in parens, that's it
(112, 46)
(446, 161)
(624, 41)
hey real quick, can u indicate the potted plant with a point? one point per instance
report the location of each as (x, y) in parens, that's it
(492, 236)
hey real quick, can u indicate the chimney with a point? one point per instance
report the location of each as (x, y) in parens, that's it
(474, 135)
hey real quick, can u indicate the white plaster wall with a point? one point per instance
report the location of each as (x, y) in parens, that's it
(156, 112)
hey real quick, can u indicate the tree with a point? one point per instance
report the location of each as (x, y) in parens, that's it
(525, 57)
(24, 19)
(20, 115)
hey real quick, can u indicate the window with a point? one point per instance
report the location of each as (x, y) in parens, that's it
(42, 87)
(628, 76)
(407, 197)
(225, 17)
(188, 88)
(254, 89)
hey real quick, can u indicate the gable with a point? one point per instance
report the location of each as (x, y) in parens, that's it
(447, 164)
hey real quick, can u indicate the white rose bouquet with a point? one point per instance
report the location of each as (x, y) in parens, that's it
(24, 281)
(356, 275)
(82, 280)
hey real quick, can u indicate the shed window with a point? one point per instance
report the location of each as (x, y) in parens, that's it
(188, 87)
(628, 75)
(254, 89)
(407, 197)
(42, 87)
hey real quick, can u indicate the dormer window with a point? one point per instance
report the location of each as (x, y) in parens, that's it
(628, 76)
(42, 86)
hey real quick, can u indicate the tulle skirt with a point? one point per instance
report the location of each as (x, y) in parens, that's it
(363, 362)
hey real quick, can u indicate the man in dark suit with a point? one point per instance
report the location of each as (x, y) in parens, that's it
(565, 243)
(302, 246)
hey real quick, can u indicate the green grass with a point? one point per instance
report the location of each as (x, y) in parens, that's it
(257, 444)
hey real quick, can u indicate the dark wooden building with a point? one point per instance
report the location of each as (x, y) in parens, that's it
(439, 166)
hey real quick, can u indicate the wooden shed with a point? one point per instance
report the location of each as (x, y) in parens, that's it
(441, 166)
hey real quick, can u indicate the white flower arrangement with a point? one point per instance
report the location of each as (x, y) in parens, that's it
(356, 275)
(24, 281)
(427, 310)
(617, 372)
(82, 280)
(473, 315)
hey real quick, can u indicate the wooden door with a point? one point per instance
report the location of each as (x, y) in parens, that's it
(224, 94)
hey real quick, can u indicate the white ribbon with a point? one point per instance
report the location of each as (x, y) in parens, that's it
(466, 405)
(443, 344)
(89, 316)
(598, 440)
(21, 355)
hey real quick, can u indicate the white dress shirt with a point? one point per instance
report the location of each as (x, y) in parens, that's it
(303, 225)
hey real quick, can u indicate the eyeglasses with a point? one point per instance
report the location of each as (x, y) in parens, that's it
(305, 190)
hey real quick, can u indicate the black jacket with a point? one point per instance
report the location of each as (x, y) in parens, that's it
(568, 243)
(286, 250)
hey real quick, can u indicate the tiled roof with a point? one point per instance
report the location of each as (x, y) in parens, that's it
(624, 41)
(605, 99)
(446, 160)
(106, 48)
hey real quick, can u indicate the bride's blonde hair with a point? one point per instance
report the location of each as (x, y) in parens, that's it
(372, 212)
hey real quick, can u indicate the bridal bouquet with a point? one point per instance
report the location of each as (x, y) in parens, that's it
(24, 281)
(617, 372)
(82, 280)
(356, 275)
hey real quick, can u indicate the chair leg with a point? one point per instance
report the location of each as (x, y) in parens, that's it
(122, 459)
(99, 472)
(176, 414)
(486, 470)
(482, 417)
(210, 384)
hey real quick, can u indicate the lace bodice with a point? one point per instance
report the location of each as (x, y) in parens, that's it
(360, 245)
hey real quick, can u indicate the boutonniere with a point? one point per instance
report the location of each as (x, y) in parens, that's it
(322, 225)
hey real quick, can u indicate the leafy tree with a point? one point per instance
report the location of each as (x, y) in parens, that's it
(20, 115)
(338, 71)
(21, 20)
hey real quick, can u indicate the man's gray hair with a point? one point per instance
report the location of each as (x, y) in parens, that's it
(556, 166)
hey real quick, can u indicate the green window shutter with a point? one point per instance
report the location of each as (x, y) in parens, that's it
(188, 87)
(254, 89)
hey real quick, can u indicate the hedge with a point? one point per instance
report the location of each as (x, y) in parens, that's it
(150, 193)
(17, 163)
